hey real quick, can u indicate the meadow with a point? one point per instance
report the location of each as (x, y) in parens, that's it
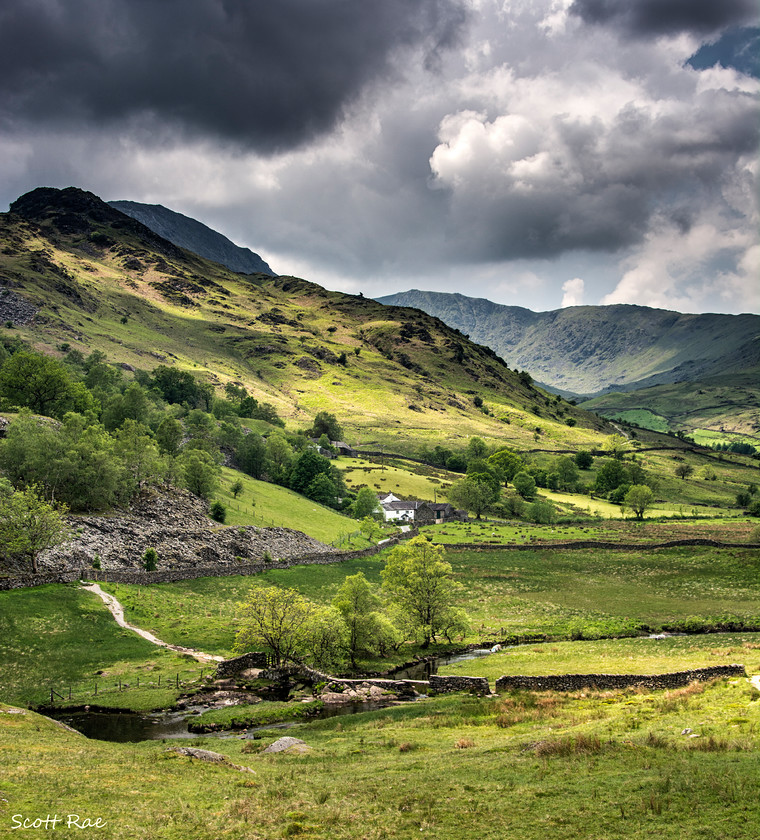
(57, 636)
(608, 765)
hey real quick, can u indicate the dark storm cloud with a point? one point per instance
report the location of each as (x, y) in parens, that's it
(263, 75)
(666, 17)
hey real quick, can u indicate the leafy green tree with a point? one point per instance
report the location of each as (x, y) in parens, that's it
(176, 386)
(326, 638)
(236, 488)
(279, 459)
(44, 385)
(584, 459)
(200, 472)
(456, 463)
(133, 404)
(525, 485)
(366, 503)
(251, 455)
(358, 606)
(472, 495)
(326, 424)
(541, 512)
(418, 579)
(476, 448)
(218, 512)
(616, 445)
(169, 435)
(137, 450)
(610, 476)
(509, 462)
(150, 560)
(306, 468)
(683, 471)
(322, 488)
(277, 619)
(638, 499)
(29, 525)
(567, 472)
(370, 529)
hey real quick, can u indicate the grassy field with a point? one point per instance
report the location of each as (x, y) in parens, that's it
(576, 594)
(728, 529)
(405, 480)
(588, 765)
(61, 637)
(617, 656)
(265, 505)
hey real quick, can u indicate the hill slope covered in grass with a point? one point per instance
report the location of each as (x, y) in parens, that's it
(79, 274)
(691, 372)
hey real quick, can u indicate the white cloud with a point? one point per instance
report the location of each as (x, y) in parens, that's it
(573, 292)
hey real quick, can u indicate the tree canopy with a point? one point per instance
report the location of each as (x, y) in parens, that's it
(418, 580)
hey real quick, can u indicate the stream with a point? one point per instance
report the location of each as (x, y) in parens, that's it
(170, 724)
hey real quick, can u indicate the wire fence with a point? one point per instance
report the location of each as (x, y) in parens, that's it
(106, 687)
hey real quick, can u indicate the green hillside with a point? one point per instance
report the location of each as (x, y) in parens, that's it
(97, 279)
(689, 372)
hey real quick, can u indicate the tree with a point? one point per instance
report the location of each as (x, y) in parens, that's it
(472, 495)
(567, 472)
(169, 435)
(277, 619)
(366, 503)
(251, 455)
(541, 512)
(322, 489)
(638, 499)
(42, 384)
(418, 579)
(584, 459)
(683, 471)
(29, 524)
(610, 476)
(616, 445)
(357, 605)
(326, 638)
(137, 450)
(525, 485)
(279, 459)
(326, 424)
(509, 462)
(476, 448)
(236, 488)
(200, 472)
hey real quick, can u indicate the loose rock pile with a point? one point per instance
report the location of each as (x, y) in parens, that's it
(175, 524)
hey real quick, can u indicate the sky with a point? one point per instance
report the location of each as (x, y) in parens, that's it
(539, 153)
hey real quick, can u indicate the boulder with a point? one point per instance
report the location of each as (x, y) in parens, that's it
(292, 746)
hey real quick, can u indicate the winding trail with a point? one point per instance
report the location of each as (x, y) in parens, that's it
(117, 611)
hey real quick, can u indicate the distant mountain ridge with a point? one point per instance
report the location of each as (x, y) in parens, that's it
(194, 236)
(592, 350)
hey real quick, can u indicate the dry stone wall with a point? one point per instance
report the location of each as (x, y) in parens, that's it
(446, 685)
(576, 682)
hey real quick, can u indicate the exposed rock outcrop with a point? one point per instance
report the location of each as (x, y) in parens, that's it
(175, 524)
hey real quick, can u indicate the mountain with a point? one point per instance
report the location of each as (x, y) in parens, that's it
(588, 350)
(706, 367)
(194, 236)
(79, 274)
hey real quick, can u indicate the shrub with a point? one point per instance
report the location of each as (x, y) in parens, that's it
(218, 512)
(150, 559)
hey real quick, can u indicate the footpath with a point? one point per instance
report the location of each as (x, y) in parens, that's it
(117, 611)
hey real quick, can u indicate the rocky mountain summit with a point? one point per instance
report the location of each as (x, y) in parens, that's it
(175, 524)
(194, 236)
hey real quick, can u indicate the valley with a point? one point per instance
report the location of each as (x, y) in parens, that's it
(195, 424)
